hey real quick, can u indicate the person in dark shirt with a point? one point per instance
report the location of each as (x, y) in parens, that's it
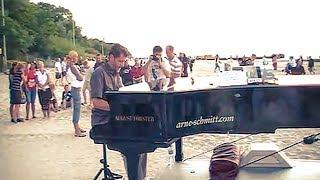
(17, 96)
(99, 61)
(14, 64)
(311, 68)
(106, 78)
(66, 97)
(125, 74)
(217, 61)
(191, 64)
(299, 69)
(185, 62)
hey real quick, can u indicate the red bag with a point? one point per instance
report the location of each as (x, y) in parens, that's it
(224, 163)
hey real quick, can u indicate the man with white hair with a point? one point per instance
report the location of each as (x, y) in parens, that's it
(175, 65)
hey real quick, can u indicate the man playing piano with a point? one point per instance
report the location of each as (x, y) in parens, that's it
(106, 78)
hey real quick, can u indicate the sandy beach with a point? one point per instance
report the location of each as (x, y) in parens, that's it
(46, 148)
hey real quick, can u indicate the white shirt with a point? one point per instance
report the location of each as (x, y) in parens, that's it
(176, 67)
(73, 80)
(58, 67)
(155, 72)
(293, 63)
(88, 74)
(64, 66)
(42, 78)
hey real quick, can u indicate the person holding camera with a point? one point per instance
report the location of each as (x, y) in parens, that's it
(157, 70)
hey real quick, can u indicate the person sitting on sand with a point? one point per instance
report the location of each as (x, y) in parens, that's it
(66, 97)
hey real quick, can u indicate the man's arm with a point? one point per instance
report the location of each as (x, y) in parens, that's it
(76, 72)
(100, 104)
(145, 66)
(165, 66)
(97, 81)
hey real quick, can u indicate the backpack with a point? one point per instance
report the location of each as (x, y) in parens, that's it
(224, 163)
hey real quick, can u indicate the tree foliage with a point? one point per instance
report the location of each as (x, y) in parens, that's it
(44, 30)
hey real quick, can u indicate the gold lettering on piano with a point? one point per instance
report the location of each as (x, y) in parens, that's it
(203, 121)
(135, 118)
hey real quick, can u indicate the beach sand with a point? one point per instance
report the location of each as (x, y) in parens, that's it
(47, 149)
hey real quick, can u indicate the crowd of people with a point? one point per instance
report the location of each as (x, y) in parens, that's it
(293, 67)
(26, 81)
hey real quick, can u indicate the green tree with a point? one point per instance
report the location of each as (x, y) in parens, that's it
(44, 30)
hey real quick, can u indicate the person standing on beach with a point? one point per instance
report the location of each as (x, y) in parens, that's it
(217, 61)
(136, 72)
(175, 66)
(156, 70)
(185, 63)
(58, 74)
(191, 64)
(126, 77)
(311, 65)
(99, 61)
(16, 94)
(76, 80)
(64, 71)
(31, 89)
(87, 76)
(44, 93)
(252, 59)
(11, 72)
(107, 78)
(274, 62)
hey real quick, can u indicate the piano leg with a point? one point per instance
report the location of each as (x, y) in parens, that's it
(179, 151)
(132, 162)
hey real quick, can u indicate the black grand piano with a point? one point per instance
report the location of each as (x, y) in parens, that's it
(143, 121)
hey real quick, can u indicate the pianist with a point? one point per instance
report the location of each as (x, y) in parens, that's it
(106, 78)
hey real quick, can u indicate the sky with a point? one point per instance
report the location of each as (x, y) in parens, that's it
(198, 27)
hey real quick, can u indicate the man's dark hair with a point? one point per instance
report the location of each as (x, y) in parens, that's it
(117, 49)
(157, 49)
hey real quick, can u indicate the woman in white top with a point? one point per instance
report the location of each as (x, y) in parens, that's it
(44, 93)
(76, 79)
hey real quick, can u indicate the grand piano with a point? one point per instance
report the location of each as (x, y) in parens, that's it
(143, 121)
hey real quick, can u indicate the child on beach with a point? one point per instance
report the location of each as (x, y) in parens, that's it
(66, 97)
(53, 99)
